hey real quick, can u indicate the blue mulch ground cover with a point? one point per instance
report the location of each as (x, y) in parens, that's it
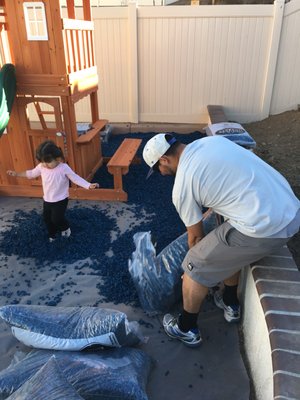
(91, 227)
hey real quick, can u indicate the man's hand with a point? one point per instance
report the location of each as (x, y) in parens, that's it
(195, 233)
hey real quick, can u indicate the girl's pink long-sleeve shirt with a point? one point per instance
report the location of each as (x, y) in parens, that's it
(55, 181)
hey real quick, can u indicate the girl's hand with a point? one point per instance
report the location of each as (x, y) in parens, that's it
(11, 173)
(94, 185)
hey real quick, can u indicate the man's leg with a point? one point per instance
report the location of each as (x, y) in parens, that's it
(193, 294)
(230, 290)
(185, 326)
(227, 298)
(232, 280)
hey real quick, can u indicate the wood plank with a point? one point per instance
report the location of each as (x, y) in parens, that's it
(91, 48)
(18, 139)
(97, 126)
(71, 35)
(117, 174)
(78, 51)
(136, 160)
(94, 170)
(216, 114)
(84, 50)
(71, 9)
(75, 193)
(56, 46)
(68, 50)
(87, 10)
(21, 191)
(42, 79)
(94, 106)
(6, 161)
(43, 90)
(98, 194)
(125, 153)
(91, 157)
(40, 114)
(72, 135)
(67, 130)
(15, 45)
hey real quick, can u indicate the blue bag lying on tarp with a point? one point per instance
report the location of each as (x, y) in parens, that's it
(48, 383)
(70, 328)
(109, 374)
(158, 278)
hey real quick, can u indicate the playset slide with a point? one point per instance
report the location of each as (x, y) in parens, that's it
(7, 93)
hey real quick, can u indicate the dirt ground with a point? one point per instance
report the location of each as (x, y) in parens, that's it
(278, 143)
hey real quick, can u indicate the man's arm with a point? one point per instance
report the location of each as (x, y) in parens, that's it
(195, 233)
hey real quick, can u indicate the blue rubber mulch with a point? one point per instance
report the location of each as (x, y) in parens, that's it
(91, 228)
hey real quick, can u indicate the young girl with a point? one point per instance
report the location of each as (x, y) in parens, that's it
(55, 175)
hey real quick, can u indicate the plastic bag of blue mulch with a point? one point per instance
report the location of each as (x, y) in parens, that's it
(70, 328)
(109, 374)
(232, 131)
(157, 278)
(47, 383)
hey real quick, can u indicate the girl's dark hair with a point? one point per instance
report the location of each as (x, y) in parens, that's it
(48, 151)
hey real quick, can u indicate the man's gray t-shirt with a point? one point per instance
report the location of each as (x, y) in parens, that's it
(217, 173)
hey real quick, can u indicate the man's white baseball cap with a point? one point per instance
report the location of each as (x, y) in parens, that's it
(157, 147)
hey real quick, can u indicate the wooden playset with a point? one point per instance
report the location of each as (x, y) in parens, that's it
(55, 69)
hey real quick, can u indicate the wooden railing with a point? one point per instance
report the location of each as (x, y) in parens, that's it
(78, 44)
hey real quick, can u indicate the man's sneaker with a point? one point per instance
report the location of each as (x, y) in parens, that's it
(51, 239)
(231, 313)
(66, 233)
(192, 338)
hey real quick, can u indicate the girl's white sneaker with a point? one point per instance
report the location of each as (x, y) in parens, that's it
(66, 233)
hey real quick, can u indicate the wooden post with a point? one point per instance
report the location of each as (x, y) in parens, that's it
(71, 9)
(94, 106)
(86, 10)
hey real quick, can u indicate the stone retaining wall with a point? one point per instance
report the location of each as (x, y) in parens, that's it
(271, 326)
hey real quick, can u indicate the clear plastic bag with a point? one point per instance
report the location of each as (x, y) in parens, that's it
(48, 383)
(104, 375)
(70, 328)
(158, 278)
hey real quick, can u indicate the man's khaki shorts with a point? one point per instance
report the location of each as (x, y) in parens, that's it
(223, 252)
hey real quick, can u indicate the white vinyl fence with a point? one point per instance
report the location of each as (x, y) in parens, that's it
(166, 64)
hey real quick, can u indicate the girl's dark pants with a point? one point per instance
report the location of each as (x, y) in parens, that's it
(54, 216)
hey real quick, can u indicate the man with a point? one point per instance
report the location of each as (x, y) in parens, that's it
(260, 211)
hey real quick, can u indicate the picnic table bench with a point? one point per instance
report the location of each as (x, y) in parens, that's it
(119, 163)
